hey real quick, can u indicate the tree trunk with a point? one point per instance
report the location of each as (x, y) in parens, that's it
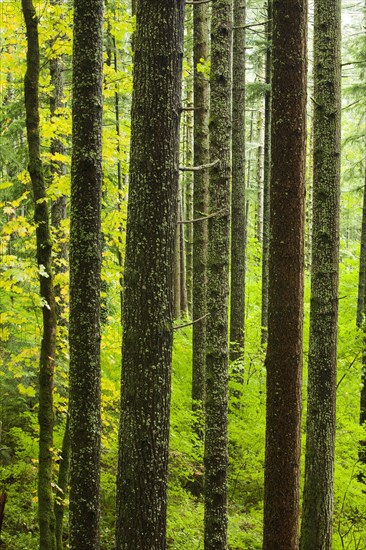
(44, 259)
(266, 175)
(182, 262)
(62, 486)
(216, 452)
(201, 16)
(317, 518)
(237, 290)
(85, 264)
(286, 272)
(361, 311)
(2, 508)
(148, 304)
(361, 302)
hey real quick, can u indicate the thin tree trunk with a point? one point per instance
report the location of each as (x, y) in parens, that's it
(177, 264)
(85, 265)
(259, 178)
(148, 306)
(237, 283)
(216, 452)
(182, 262)
(2, 509)
(286, 273)
(361, 312)
(62, 485)
(46, 516)
(188, 228)
(266, 175)
(201, 15)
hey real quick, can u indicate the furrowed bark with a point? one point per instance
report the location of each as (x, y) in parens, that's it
(317, 518)
(148, 304)
(286, 272)
(85, 264)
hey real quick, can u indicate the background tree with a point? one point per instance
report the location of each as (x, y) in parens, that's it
(85, 265)
(148, 305)
(286, 272)
(238, 226)
(201, 19)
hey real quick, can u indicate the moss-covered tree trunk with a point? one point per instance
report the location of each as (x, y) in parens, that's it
(237, 283)
(286, 272)
(85, 262)
(148, 304)
(201, 15)
(216, 452)
(266, 175)
(46, 516)
(317, 517)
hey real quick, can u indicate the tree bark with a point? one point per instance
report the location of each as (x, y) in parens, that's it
(62, 486)
(201, 17)
(317, 518)
(286, 272)
(216, 452)
(85, 263)
(148, 304)
(362, 271)
(46, 516)
(237, 284)
(266, 175)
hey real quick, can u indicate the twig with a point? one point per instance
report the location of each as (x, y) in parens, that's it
(252, 25)
(182, 222)
(198, 2)
(348, 369)
(191, 323)
(197, 168)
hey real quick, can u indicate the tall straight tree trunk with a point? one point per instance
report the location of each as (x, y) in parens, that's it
(286, 274)
(188, 228)
(237, 286)
(148, 304)
(46, 516)
(85, 265)
(361, 312)
(361, 302)
(201, 15)
(216, 452)
(266, 175)
(317, 518)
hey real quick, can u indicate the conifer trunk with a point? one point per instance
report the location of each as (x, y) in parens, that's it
(286, 271)
(266, 175)
(362, 270)
(216, 452)
(46, 516)
(317, 519)
(237, 283)
(201, 15)
(148, 304)
(85, 264)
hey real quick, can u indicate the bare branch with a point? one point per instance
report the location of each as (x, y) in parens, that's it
(214, 215)
(252, 25)
(197, 168)
(191, 323)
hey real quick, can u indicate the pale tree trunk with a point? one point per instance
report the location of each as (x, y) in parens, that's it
(266, 175)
